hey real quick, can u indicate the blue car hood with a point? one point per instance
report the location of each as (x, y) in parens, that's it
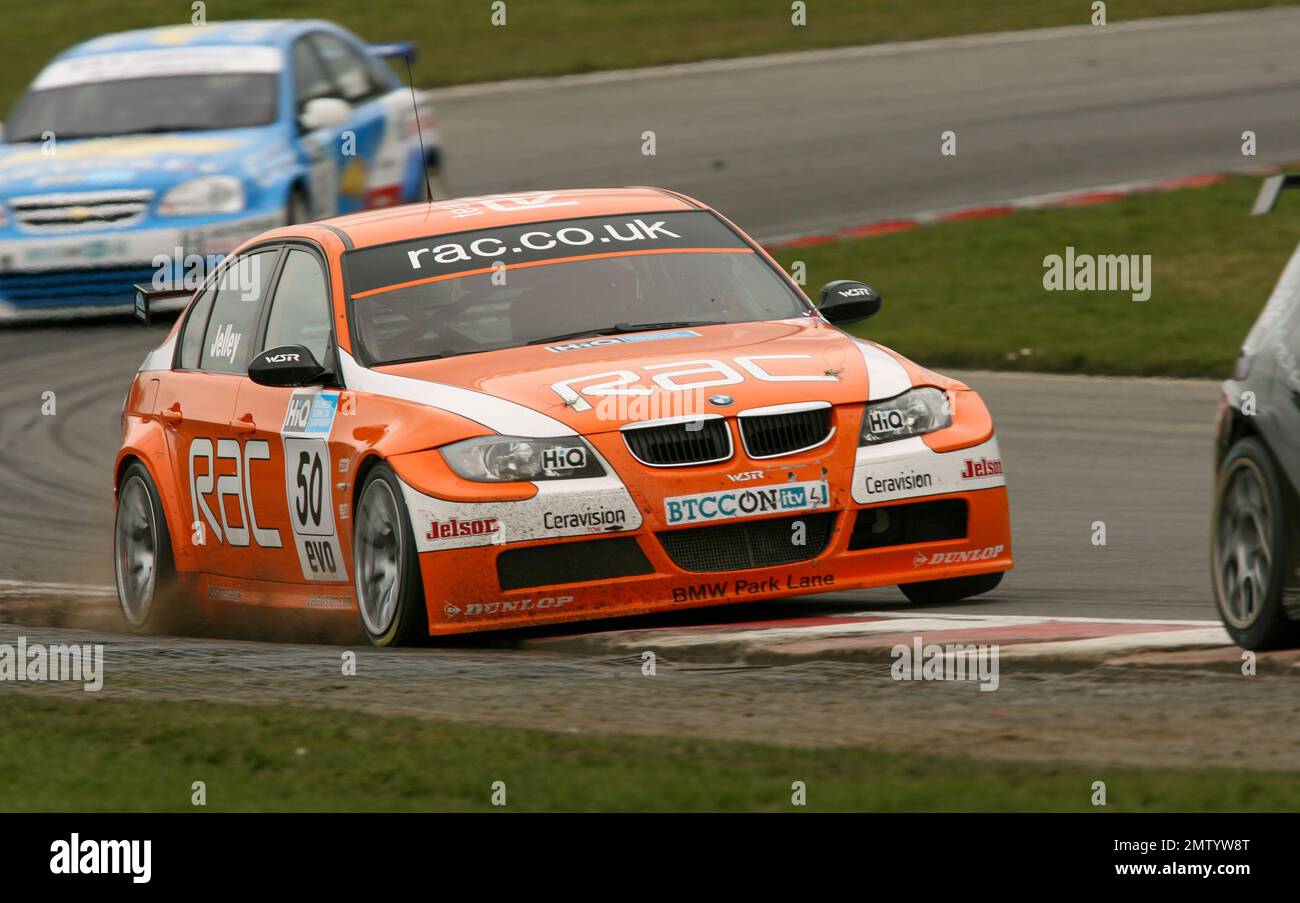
(130, 161)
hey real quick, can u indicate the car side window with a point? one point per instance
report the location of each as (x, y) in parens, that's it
(350, 70)
(240, 288)
(310, 80)
(300, 307)
(195, 326)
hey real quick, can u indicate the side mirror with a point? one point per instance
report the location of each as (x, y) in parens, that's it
(324, 113)
(847, 301)
(287, 366)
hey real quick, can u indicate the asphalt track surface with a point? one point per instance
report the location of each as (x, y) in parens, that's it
(815, 142)
(805, 143)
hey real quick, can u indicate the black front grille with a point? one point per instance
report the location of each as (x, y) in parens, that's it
(572, 562)
(672, 444)
(757, 544)
(769, 435)
(901, 525)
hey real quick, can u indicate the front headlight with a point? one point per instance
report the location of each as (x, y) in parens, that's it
(206, 194)
(510, 459)
(913, 413)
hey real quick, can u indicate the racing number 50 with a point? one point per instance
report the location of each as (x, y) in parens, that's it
(309, 497)
(311, 512)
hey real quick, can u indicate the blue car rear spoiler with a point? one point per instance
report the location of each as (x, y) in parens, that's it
(1273, 186)
(145, 296)
(403, 49)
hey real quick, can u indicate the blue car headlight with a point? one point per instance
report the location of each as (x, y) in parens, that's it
(206, 194)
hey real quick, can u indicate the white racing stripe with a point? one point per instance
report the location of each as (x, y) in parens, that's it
(885, 375)
(505, 417)
(161, 357)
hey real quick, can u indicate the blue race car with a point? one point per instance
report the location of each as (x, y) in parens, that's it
(145, 156)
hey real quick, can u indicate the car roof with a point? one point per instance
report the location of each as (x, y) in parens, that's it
(248, 32)
(388, 224)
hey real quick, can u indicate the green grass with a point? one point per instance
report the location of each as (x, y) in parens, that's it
(547, 37)
(970, 293)
(58, 755)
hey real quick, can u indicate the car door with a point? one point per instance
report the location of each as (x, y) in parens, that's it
(362, 175)
(196, 403)
(298, 495)
(321, 147)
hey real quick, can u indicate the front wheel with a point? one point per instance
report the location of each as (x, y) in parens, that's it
(937, 592)
(147, 584)
(1249, 550)
(390, 594)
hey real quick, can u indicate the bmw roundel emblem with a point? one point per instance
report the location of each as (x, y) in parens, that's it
(721, 400)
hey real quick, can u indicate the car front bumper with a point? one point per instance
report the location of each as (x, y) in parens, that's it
(898, 513)
(95, 270)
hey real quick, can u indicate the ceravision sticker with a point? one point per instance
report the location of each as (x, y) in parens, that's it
(305, 434)
(714, 506)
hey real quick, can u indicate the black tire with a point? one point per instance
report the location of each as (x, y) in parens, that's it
(380, 518)
(1254, 514)
(150, 602)
(937, 592)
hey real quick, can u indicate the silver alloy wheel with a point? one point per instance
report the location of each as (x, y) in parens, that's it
(379, 557)
(1243, 554)
(135, 548)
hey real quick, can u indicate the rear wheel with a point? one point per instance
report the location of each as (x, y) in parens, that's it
(1249, 548)
(390, 593)
(934, 592)
(142, 555)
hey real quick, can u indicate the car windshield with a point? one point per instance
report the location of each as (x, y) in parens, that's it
(134, 106)
(678, 270)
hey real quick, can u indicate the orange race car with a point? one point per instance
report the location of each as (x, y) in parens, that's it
(522, 409)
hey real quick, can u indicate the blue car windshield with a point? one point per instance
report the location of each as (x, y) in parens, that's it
(135, 106)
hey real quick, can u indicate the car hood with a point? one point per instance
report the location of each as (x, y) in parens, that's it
(645, 376)
(129, 161)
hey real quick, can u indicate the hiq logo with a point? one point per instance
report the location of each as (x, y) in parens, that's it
(310, 413)
(296, 417)
(564, 458)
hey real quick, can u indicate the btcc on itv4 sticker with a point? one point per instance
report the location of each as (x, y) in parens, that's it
(305, 434)
(714, 506)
